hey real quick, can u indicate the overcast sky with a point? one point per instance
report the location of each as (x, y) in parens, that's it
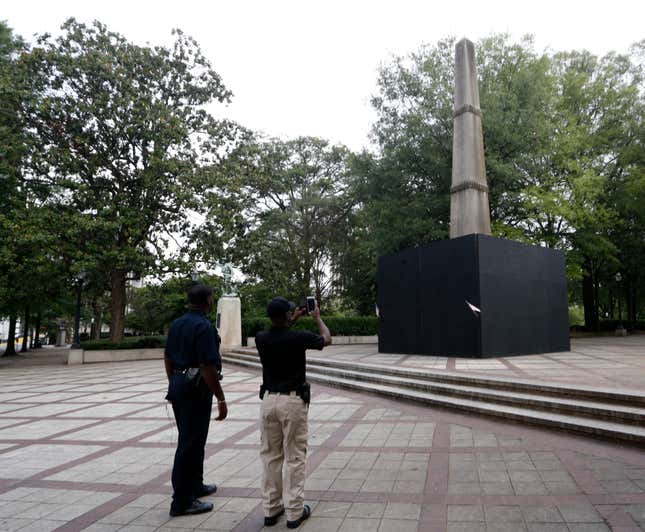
(309, 68)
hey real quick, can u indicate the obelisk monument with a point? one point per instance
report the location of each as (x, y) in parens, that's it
(469, 208)
(489, 296)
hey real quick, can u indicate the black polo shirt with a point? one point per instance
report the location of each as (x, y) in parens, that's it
(282, 352)
(192, 342)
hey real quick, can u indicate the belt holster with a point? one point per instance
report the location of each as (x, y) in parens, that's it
(305, 392)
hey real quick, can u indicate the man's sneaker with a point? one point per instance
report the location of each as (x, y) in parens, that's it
(270, 521)
(197, 507)
(306, 512)
(207, 489)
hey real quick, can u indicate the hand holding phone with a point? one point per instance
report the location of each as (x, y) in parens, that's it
(311, 304)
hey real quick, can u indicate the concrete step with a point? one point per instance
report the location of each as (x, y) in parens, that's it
(580, 416)
(562, 403)
(634, 398)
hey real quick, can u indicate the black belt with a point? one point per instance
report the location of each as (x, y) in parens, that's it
(293, 392)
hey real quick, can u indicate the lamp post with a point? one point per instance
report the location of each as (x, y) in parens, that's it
(620, 330)
(77, 318)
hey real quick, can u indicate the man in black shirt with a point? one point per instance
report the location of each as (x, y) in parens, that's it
(193, 366)
(285, 404)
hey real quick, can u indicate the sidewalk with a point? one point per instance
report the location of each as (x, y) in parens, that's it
(91, 447)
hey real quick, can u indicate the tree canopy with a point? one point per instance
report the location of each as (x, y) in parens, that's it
(112, 166)
(123, 134)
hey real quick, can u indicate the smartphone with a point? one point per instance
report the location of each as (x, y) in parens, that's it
(311, 304)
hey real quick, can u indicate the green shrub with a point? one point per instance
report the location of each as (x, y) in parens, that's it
(338, 325)
(133, 342)
(576, 315)
(252, 326)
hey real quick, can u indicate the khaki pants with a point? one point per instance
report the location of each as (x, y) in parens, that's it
(283, 433)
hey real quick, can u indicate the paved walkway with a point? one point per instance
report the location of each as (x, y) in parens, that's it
(91, 447)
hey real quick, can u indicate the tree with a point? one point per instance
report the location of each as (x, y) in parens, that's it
(12, 148)
(599, 110)
(123, 133)
(279, 217)
(154, 307)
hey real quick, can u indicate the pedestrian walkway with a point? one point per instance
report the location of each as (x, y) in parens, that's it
(90, 448)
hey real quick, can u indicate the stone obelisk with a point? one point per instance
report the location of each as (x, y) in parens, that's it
(469, 209)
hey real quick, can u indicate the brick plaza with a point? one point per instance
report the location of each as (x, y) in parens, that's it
(91, 448)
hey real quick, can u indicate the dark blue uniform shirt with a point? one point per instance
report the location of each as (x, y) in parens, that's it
(193, 342)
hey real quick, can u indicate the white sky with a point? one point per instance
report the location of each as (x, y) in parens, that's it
(309, 68)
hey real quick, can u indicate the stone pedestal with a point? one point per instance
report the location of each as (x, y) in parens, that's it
(229, 321)
(61, 337)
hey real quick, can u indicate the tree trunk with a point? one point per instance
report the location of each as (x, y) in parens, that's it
(25, 332)
(97, 323)
(596, 302)
(630, 304)
(117, 304)
(37, 343)
(11, 340)
(591, 315)
(318, 293)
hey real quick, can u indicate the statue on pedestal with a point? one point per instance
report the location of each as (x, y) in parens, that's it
(227, 273)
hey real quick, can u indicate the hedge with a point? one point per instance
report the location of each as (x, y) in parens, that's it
(132, 342)
(338, 325)
(610, 326)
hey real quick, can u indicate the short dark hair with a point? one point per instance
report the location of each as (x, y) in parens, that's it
(199, 294)
(278, 308)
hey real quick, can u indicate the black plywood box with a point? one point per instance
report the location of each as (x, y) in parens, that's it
(521, 291)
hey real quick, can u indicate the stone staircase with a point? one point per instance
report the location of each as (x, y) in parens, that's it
(603, 412)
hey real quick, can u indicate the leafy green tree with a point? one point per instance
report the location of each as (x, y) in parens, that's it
(278, 218)
(599, 110)
(13, 143)
(123, 134)
(153, 308)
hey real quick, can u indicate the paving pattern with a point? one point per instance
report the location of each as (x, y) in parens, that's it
(91, 447)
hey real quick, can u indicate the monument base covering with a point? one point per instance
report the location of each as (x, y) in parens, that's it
(426, 297)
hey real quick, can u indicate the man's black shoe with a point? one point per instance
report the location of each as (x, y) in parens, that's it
(207, 489)
(270, 521)
(306, 512)
(197, 507)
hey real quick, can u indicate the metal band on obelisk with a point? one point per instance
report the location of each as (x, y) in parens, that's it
(469, 208)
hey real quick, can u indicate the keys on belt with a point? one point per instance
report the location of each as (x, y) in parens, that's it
(189, 372)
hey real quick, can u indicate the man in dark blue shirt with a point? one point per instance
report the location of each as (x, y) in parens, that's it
(193, 366)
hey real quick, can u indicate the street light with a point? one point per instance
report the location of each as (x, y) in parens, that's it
(77, 319)
(620, 330)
